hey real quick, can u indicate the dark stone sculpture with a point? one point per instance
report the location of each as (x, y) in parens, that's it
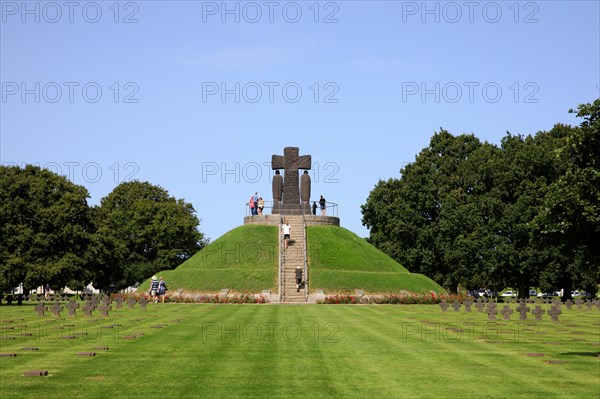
(305, 187)
(291, 161)
(277, 192)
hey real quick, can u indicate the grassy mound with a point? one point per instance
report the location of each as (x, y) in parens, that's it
(246, 258)
(341, 261)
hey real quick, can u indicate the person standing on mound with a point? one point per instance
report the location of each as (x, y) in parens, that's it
(298, 278)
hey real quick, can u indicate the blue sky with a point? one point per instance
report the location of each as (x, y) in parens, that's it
(196, 96)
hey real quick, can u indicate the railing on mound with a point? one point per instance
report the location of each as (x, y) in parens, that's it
(331, 208)
(305, 254)
(281, 265)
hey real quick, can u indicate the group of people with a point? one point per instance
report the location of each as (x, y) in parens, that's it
(158, 289)
(256, 204)
(322, 205)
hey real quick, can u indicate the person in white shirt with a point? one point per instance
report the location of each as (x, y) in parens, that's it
(286, 233)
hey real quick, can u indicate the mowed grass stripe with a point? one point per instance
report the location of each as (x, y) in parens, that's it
(316, 351)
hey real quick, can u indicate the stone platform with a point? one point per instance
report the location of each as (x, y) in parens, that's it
(311, 220)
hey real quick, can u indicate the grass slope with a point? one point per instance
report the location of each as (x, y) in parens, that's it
(285, 351)
(341, 261)
(245, 259)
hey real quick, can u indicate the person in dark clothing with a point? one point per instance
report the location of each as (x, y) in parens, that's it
(323, 205)
(314, 208)
(298, 278)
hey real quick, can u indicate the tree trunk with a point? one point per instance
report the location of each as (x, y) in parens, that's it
(567, 288)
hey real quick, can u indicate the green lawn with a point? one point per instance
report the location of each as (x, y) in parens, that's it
(327, 351)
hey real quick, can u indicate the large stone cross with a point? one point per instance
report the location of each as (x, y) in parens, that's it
(291, 162)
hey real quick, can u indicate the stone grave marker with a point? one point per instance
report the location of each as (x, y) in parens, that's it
(557, 303)
(578, 302)
(40, 308)
(468, 302)
(95, 301)
(88, 308)
(131, 302)
(554, 312)
(479, 305)
(119, 300)
(506, 312)
(143, 302)
(35, 373)
(443, 305)
(568, 304)
(104, 309)
(56, 309)
(538, 312)
(522, 309)
(492, 311)
(456, 305)
(72, 306)
(588, 305)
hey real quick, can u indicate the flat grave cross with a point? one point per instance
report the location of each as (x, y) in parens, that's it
(479, 305)
(468, 302)
(588, 304)
(578, 302)
(456, 305)
(106, 299)
(568, 304)
(557, 303)
(538, 312)
(72, 306)
(554, 312)
(143, 302)
(506, 312)
(119, 300)
(444, 305)
(56, 308)
(95, 301)
(522, 309)
(40, 308)
(131, 302)
(88, 308)
(104, 309)
(492, 311)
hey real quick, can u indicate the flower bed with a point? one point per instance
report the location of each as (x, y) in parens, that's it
(391, 298)
(202, 298)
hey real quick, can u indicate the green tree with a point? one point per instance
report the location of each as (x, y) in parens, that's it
(427, 219)
(569, 221)
(141, 230)
(44, 229)
(528, 166)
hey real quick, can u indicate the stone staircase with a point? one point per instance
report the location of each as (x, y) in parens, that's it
(293, 257)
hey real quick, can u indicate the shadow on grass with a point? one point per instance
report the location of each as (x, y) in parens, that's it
(591, 354)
